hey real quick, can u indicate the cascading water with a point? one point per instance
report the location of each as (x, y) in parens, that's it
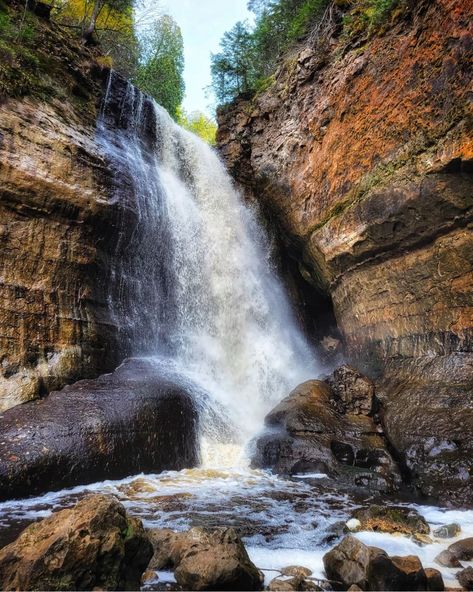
(197, 271)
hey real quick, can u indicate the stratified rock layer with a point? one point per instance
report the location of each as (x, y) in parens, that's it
(134, 420)
(362, 155)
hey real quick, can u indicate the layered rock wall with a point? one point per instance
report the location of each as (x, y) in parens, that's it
(361, 152)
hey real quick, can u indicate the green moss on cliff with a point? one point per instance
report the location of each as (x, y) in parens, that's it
(40, 60)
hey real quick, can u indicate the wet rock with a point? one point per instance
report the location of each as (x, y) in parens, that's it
(447, 559)
(392, 519)
(167, 546)
(462, 550)
(296, 571)
(448, 531)
(347, 564)
(396, 573)
(305, 433)
(215, 560)
(353, 393)
(421, 539)
(131, 421)
(435, 581)
(283, 584)
(93, 545)
(465, 577)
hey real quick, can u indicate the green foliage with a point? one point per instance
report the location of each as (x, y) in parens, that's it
(201, 125)
(160, 72)
(367, 16)
(248, 57)
(111, 22)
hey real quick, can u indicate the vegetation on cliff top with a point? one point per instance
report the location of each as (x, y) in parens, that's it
(49, 57)
(250, 54)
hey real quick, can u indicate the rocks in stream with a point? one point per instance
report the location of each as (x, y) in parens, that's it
(447, 531)
(123, 423)
(93, 545)
(205, 559)
(352, 563)
(326, 427)
(462, 550)
(392, 519)
(465, 578)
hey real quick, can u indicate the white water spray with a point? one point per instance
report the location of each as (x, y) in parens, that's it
(221, 316)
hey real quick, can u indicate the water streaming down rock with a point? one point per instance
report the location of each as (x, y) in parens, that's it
(196, 286)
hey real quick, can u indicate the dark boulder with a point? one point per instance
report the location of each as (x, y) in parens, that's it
(307, 433)
(347, 564)
(462, 550)
(123, 423)
(396, 573)
(353, 393)
(351, 563)
(93, 545)
(435, 581)
(465, 577)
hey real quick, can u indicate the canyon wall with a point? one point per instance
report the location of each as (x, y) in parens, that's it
(361, 154)
(58, 220)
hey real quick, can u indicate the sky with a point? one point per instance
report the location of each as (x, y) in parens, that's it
(203, 22)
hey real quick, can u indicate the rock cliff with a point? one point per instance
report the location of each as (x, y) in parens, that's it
(63, 228)
(361, 154)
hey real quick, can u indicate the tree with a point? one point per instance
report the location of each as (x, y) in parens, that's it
(232, 69)
(110, 23)
(160, 72)
(201, 125)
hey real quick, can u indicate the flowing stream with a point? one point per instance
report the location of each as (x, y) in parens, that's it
(196, 290)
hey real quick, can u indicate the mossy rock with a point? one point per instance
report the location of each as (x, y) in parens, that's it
(392, 519)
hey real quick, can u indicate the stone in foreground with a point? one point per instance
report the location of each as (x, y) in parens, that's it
(465, 577)
(215, 560)
(93, 545)
(351, 563)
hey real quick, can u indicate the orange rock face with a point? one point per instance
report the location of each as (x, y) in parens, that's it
(363, 154)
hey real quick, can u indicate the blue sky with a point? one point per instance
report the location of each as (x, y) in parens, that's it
(203, 23)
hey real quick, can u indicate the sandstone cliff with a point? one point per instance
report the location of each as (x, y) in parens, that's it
(361, 153)
(56, 221)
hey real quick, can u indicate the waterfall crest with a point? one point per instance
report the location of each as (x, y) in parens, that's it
(197, 287)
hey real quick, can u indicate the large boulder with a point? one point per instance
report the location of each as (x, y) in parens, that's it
(465, 577)
(396, 573)
(93, 545)
(462, 550)
(307, 432)
(352, 563)
(134, 420)
(215, 560)
(347, 564)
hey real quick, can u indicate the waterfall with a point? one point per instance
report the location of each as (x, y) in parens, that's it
(196, 286)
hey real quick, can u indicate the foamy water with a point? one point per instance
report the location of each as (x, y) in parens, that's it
(282, 522)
